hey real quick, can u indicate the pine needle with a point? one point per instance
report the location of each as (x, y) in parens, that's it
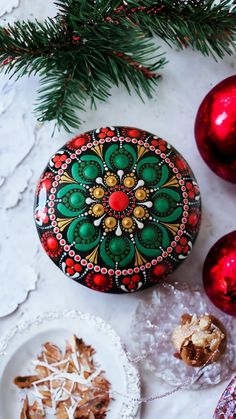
(91, 45)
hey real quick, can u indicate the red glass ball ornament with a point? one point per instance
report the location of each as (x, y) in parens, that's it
(219, 274)
(215, 129)
(227, 404)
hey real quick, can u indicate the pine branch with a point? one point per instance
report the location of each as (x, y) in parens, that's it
(105, 59)
(59, 98)
(204, 25)
(91, 45)
(146, 72)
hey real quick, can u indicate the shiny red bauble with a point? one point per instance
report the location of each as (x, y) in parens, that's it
(219, 274)
(215, 129)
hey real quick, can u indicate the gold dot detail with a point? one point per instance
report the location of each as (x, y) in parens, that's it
(98, 193)
(139, 212)
(111, 181)
(129, 182)
(127, 222)
(98, 210)
(110, 222)
(140, 194)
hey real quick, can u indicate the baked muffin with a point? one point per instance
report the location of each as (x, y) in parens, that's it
(199, 340)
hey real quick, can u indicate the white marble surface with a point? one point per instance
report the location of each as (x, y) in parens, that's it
(25, 148)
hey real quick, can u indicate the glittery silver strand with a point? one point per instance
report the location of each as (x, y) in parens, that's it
(186, 383)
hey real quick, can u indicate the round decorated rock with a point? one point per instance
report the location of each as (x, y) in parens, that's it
(117, 209)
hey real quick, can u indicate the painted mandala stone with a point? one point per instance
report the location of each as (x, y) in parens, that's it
(117, 209)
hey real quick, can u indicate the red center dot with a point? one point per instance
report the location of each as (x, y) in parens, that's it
(119, 201)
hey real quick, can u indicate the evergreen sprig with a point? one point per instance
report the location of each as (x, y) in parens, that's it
(92, 44)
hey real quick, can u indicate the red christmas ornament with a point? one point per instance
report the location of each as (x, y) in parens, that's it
(226, 407)
(215, 129)
(219, 274)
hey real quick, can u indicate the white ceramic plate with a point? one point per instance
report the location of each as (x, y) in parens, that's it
(23, 343)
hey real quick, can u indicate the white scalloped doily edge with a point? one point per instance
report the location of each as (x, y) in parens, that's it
(11, 298)
(8, 6)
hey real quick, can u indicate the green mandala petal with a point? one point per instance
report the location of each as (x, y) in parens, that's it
(175, 195)
(164, 176)
(117, 250)
(151, 172)
(173, 217)
(73, 200)
(87, 170)
(84, 234)
(165, 205)
(150, 239)
(118, 158)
